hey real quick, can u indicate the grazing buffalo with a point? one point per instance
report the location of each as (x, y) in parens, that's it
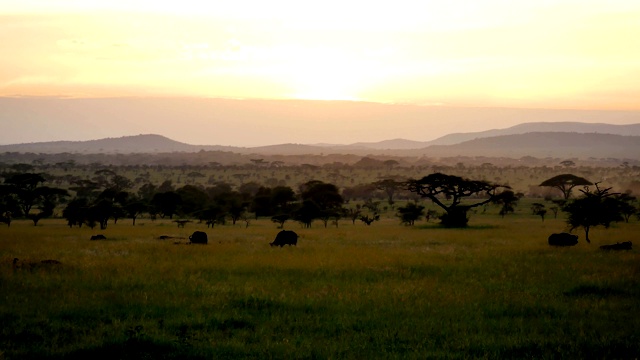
(98, 237)
(198, 237)
(285, 237)
(617, 246)
(563, 239)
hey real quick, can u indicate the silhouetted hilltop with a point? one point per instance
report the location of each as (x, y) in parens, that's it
(575, 127)
(535, 144)
(148, 143)
(545, 144)
(533, 127)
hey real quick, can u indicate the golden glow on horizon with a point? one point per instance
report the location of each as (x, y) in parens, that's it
(565, 53)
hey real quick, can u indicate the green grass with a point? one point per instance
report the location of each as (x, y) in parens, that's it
(493, 290)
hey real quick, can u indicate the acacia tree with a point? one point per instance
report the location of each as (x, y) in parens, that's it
(25, 186)
(134, 207)
(9, 206)
(76, 212)
(538, 209)
(390, 187)
(166, 203)
(597, 208)
(47, 200)
(29, 194)
(448, 192)
(410, 213)
(508, 200)
(320, 200)
(626, 206)
(565, 183)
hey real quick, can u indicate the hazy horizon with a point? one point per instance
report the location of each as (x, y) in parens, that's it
(419, 55)
(249, 123)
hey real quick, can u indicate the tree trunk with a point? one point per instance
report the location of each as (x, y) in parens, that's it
(586, 234)
(456, 217)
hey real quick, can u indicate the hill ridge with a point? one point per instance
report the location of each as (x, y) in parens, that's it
(487, 143)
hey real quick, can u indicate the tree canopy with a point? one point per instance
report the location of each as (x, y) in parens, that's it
(565, 183)
(448, 192)
(593, 208)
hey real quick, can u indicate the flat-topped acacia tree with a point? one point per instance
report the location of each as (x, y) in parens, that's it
(565, 183)
(448, 192)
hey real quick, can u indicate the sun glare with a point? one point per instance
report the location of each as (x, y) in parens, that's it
(327, 74)
(324, 86)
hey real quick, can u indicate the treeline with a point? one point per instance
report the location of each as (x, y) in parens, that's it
(92, 195)
(229, 158)
(110, 196)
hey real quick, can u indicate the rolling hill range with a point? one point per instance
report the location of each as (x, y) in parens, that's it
(148, 143)
(457, 138)
(541, 140)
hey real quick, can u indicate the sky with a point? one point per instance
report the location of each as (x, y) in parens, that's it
(553, 54)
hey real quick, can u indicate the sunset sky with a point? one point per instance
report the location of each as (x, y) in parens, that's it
(555, 54)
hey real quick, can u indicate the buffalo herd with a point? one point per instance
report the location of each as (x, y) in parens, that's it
(284, 237)
(288, 237)
(566, 239)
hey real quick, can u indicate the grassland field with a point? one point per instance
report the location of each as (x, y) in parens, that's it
(494, 290)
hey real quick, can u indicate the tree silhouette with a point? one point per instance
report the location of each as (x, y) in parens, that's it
(280, 219)
(508, 200)
(192, 199)
(24, 186)
(448, 192)
(24, 190)
(307, 212)
(410, 213)
(368, 220)
(166, 203)
(565, 183)
(76, 212)
(134, 207)
(538, 209)
(47, 200)
(390, 187)
(597, 208)
(320, 200)
(626, 205)
(281, 198)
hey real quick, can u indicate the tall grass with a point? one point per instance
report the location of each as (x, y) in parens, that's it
(493, 290)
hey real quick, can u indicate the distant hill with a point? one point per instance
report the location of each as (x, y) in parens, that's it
(457, 138)
(255, 122)
(544, 144)
(391, 144)
(575, 127)
(148, 143)
(536, 144)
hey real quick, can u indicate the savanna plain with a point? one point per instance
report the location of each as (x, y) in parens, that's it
(495, 289)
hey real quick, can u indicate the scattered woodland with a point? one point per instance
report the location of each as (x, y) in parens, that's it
(396, 258)
(215, 193)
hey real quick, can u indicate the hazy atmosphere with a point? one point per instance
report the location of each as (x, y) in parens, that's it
(243, 179)
(422, 56)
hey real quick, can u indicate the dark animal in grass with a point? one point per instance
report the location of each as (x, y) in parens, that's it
(563, 239)
(34, 265)
(198, 237)
(617, 246)
(98, 237)
(285, 237)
